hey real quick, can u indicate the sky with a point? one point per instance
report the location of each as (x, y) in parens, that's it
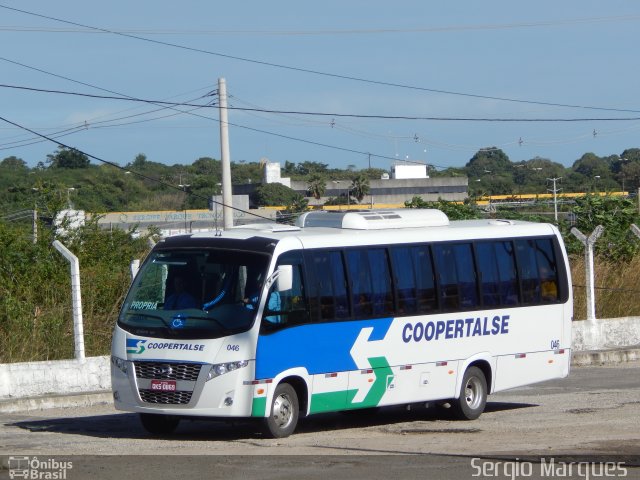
(401, 81)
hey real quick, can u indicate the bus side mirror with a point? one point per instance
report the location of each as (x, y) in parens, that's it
(285, 278)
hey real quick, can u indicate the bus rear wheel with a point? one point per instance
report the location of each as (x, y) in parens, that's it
(159, 424)
(473, 395)
(284, 412)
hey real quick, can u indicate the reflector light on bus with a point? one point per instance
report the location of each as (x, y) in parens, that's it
(257, 382)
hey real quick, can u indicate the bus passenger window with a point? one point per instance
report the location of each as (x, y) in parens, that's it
(547, 270)
(538, 270)
(404, 278)
(330, 288)
(425, 280)
(381, 282)
(496, 266)
(456, 271)
(360, 277)
(370, 282)
(414, 279)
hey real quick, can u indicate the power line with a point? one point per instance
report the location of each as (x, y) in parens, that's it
(310, 142)
(208, 118)
(334, 114)
(310, 71)
(287, 137)
(116, 95)
(350, 31)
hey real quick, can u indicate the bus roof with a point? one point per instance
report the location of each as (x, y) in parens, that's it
(400, 226)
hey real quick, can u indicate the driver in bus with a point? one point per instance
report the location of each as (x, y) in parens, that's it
(180, 299)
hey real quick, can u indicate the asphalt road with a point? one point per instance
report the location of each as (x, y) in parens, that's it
(593, 416)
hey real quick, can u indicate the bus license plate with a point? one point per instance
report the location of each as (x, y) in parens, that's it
(163, 385)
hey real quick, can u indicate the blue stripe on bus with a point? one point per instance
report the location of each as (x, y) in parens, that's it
(319, 348)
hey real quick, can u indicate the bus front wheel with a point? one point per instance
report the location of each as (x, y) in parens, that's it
(473, 395)
(159, 424)
(284, 412)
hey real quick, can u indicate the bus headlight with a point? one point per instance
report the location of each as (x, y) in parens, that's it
(222, 368)
(120, 364)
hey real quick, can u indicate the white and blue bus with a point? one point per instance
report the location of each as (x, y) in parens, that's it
(345, 310)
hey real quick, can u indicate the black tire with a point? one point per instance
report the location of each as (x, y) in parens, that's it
(159, 424)
(284, 412)
(473, 395)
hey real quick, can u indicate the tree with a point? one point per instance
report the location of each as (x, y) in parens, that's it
(316, 186)
(14, 163)
(530, 176)
(289, 168)
(453, 210)
(293, 209)
(242, 172)
(207, 166)
(487, 161)
(627, 169)
(590, 165)
(630, 175)
(632, 154)
(68, 158)
(139, 162)
(273, 194)
(307, 168)
(359, 187)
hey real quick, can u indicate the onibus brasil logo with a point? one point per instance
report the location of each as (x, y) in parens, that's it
(32, 467)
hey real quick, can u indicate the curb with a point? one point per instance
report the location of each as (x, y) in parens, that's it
(605, 357)
(55, 401)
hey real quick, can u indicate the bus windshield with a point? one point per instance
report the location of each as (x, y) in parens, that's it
(201, 293)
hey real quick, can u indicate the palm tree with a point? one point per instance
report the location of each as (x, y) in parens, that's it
(316, 186)
(359, 187)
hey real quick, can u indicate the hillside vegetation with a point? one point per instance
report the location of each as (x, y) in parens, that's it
(68, 177)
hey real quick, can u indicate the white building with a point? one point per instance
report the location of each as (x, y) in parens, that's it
(271, 173)
(403, 171)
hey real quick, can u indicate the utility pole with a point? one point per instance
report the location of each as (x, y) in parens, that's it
(555, 197)
(227, 197)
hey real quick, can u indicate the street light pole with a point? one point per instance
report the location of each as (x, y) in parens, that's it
(555, 197)
(184, 189)
(337, 182)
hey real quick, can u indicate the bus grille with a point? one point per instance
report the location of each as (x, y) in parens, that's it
(165, 398)
(168, 371)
